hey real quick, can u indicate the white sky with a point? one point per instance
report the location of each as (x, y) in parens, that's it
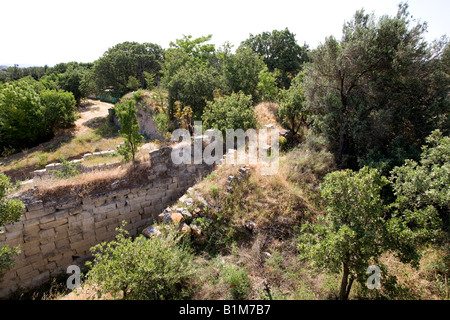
(39, 32)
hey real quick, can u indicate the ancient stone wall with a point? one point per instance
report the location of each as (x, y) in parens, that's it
(53, 235)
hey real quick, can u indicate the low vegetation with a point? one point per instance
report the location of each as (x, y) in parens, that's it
(364, 162)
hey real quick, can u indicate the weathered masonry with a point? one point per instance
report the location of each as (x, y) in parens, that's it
(54, 235)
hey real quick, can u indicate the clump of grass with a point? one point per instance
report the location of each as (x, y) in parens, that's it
(238, 280)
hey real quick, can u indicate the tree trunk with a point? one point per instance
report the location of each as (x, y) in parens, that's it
(349, 287)
(344, 282)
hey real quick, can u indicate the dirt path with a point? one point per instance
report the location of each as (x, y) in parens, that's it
(89, 109)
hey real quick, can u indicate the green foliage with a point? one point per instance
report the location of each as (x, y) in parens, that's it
(192, 85)
(280, 51)
(231, 112)
(125, 60)
(420, 185)
(356, 229)
(238, 280)
(30, 114)
(378, 93)
(149, 80)
(59, 108)
(156, 269)
(162, 123)
(10, 212)
(292, 112)
(188, 74)
(240, 71)
(21, 115)
(129, 129)
(68, 169)
(133, 83)
(75, 78)
(267, 88)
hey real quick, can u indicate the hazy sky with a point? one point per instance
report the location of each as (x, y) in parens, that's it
(42, 32)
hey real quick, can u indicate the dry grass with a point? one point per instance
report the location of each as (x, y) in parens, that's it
(125, 176)
(266, 114)
(91, 133)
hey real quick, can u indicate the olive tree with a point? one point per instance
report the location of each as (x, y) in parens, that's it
(358, 227)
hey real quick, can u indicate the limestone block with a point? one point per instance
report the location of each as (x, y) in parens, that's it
(48, 248)
(104, 208)
(53, 224)
(74, 239)
(12, 227)
(35, 205)
(34, 214)
(68, 204)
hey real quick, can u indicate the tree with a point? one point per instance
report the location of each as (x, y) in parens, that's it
(279, 50)
(124, 60)
(129, 129)
(10, 212)
(31, 114)
(192, 85)
(358, 227)
(188, 74)
(418, 186)
(267, 88)
(21, 115)
(156, 269)
(240, 71)
(59, 109)
(230, 112)
(292, 111)
(75, 79)
(376, 94)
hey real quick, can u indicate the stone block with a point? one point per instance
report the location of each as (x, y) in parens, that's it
(48, 248)
(75, 202)
(53, 224)
(34, 214)
(104, 208)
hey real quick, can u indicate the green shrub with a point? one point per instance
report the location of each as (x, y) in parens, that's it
(157, 269)
(67, 170)
(162, 123)
(10, 212)
(232, 112)
(127, 114)
(238, 280)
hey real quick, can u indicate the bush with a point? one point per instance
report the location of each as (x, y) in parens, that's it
(232, 112)
(68, 169)
(162, 123)
(127, 114)
(159, 268)
(10, 212)
(238, 280)
(29, 114)
(59, 108)
(308, 164)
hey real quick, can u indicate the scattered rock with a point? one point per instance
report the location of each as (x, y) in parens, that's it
(185, 228)
(189, 202)
(151, 231)
(202, 201)
(187, 216)
(250, 225)
(266, 255)
(115, 184)
(196, 230)
(176, 217)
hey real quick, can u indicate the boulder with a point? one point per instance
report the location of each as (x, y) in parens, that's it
(151, 231)
(185, 228)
